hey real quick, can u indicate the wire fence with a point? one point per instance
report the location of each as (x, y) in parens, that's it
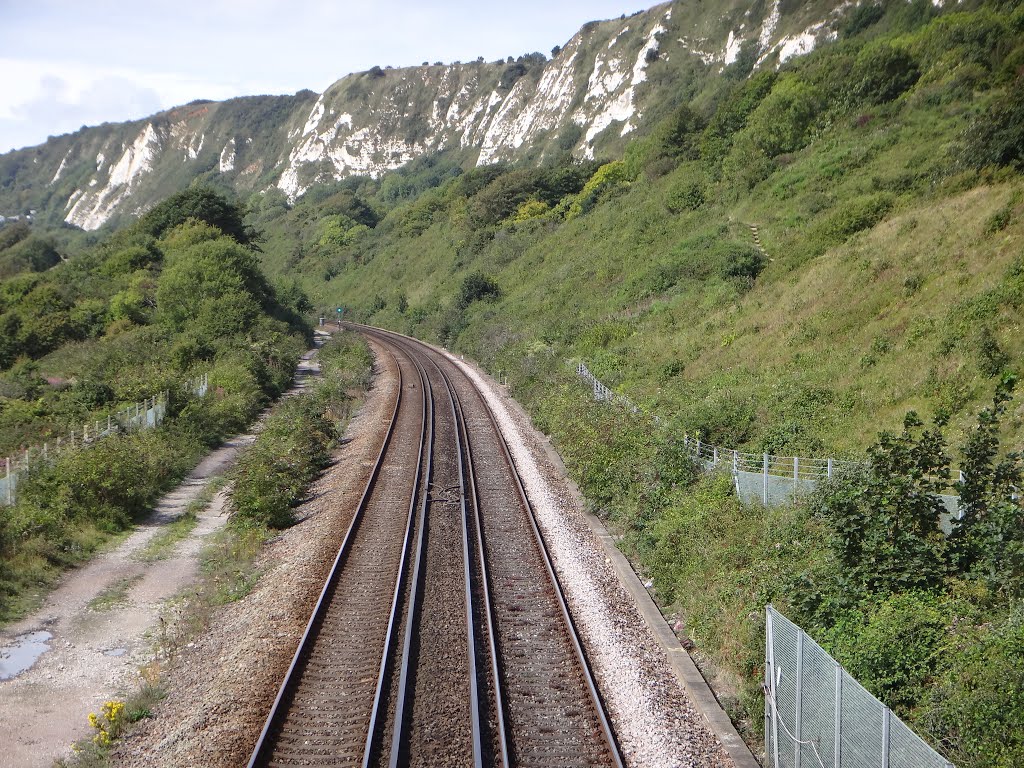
(147, 414)
(601, 392)
(818, 716)
(763, 477)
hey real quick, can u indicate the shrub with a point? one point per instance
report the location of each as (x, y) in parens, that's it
(860, 17)
(892, 646)
(882, 72)
(782, 121)
(977, 703)
(996, 137)
(200, 203)
(476, 287)
(885, 517)
(272, 475)
(988, 540)
(606, 180)
(858, 214)
(685, 195)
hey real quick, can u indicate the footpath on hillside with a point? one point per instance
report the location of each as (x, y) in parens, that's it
(93, 633)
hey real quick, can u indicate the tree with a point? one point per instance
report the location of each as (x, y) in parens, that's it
(988, 539)
(997, 136)
(476, 287)
(203, 204)
(885, 517)
(882, 72)
(214, 288)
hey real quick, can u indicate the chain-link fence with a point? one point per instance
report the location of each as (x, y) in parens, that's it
(817, 716)
(762, 477)
(601, 392)
(147, 414)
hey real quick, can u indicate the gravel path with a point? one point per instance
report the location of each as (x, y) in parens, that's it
(95, 646)
(95, 651)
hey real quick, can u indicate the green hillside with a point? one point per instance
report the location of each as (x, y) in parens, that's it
(179, 293)
(882, 175)
(888, 279)
(816, 255)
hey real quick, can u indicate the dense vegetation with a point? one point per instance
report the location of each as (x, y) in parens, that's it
(179, 292)
(295, 443)
(883, 175)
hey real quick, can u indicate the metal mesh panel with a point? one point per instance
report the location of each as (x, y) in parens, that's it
(818, 705)
(804, 735)
(147, 414)
(952, 505)
(860, 731)
(785, 688)
(906, 748)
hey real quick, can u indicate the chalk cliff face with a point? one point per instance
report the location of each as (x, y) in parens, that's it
(585, 100)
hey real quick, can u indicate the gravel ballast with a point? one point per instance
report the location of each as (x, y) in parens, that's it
(222, 685)
(654, 720)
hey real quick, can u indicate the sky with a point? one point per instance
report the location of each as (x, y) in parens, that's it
(68, 63)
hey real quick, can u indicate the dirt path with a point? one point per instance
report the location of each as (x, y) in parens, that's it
(98, 621)
(222, 685)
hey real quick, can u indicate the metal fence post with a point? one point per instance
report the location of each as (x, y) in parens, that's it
(772, 688)
(735, 461)
(837, 752)
(885, 736)
(799, 714)
(796, 468)
(715, 455)
(765, 494)
(830, 468)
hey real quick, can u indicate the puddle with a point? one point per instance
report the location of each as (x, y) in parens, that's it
(27, 648)
(115, 652)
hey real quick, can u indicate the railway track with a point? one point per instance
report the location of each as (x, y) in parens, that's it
(441, 636)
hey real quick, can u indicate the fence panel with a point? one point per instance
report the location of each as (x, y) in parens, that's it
(765, 478)
(148, 414)
(817, 716)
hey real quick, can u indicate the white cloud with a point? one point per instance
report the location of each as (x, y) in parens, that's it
(60, 97)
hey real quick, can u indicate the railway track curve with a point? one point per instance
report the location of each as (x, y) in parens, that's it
(441, 636)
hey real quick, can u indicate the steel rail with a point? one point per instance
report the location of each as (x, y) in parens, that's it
(569, 625)
(485, 591)
(398, 753)
(427, 416)
(261, 751)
